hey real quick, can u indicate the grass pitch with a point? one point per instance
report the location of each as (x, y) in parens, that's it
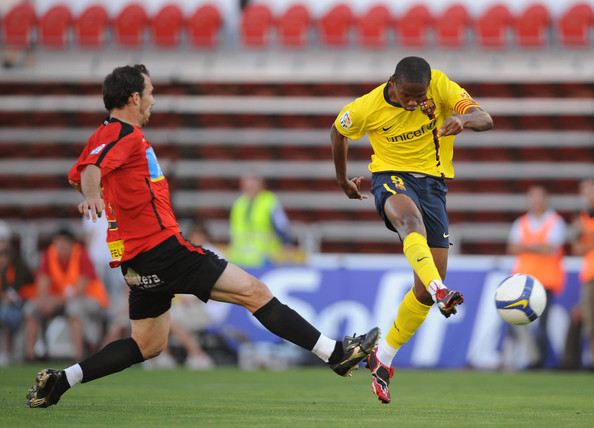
(312, 397)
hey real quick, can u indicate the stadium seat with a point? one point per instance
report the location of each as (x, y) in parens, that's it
(54, 27)
(293, 26)
(255, 25)
(90, 27)
(451, 27)
(531, 27)
(335, 25)
(372, 27)
(574, 26)
(130, 26)
(492, 27)
(204, 25)
(166, 26)
(18, 25)
(412, 27)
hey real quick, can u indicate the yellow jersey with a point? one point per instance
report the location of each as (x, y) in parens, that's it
(404, 140)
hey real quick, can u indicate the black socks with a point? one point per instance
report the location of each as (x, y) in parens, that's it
(114, 357)
(288, 324)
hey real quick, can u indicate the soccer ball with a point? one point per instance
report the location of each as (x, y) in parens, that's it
(520, 299)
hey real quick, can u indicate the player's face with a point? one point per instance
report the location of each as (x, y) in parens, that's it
(410, 95)
(146, 102)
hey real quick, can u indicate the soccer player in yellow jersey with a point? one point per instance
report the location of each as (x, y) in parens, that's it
(411, 121)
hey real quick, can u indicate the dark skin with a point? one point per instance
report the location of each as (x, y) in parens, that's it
(400, 209)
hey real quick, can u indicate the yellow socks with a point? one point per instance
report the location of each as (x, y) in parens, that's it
(411, 314)
(419, 257)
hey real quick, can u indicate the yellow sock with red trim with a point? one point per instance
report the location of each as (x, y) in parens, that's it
(411, 314)
(419, 256)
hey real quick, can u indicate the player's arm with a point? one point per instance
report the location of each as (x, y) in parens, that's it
(474, 118)
(90, 183)
(340, 144)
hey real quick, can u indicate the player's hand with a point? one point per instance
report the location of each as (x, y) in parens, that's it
(352, 188)
(451, 126)
(91, 208)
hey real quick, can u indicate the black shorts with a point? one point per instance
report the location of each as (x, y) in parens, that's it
(175, 266)
(429, 195)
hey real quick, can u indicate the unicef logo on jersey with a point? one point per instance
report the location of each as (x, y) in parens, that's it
(153, 165)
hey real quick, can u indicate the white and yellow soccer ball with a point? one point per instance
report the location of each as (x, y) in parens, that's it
(520, 299)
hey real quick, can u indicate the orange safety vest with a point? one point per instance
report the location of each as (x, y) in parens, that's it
(547, 269)
(61, 279)
(587, 271)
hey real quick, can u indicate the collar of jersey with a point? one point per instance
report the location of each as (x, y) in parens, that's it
(387, 97)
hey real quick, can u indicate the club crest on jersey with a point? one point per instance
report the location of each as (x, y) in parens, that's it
(428, 107)
(345, 120)
(398, 183)
(97, 150)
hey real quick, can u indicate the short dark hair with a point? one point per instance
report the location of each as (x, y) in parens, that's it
(121, 83)
(412, 69)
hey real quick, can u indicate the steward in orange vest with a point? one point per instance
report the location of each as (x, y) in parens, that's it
(537, 239)
(586, 223)
(547, 268)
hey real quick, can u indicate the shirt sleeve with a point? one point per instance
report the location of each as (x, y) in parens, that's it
(557, 236)
(453, 96)
(514, 233)
(107, 150)
(350, 122)
(280, 222)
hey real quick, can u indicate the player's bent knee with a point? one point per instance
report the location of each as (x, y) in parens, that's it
(150, 347)
(256, 295)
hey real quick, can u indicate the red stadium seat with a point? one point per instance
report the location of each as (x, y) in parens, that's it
(293, 26)
(90, 28)
(166, 26)
(412, 27)
(372, 27)
(492, 27)
(574, 25)
(54, 27)
(531, 26)
(334, 27)
(204, 26)
(452, 26)
(130, 26)
(18, 25)
(255, 25)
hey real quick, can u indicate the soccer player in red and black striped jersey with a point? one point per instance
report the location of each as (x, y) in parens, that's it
(411, 121)
(118, 174)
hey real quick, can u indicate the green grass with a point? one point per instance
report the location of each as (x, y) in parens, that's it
(313, 397)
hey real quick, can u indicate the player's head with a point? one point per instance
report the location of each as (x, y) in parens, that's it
(412, 69)
(410, 81)
(587, 190)
(127, 85)
(538, 199)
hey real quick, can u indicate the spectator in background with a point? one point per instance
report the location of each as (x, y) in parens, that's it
(15, 277)
(584, 246)
(537, 239)
(259, 225)
(199, 235)
(66, 284)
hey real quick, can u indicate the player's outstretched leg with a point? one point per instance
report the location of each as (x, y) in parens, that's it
(381, 375)
(49, 386)
(355, 350)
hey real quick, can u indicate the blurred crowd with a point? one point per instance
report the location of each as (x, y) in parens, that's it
(73, 302)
